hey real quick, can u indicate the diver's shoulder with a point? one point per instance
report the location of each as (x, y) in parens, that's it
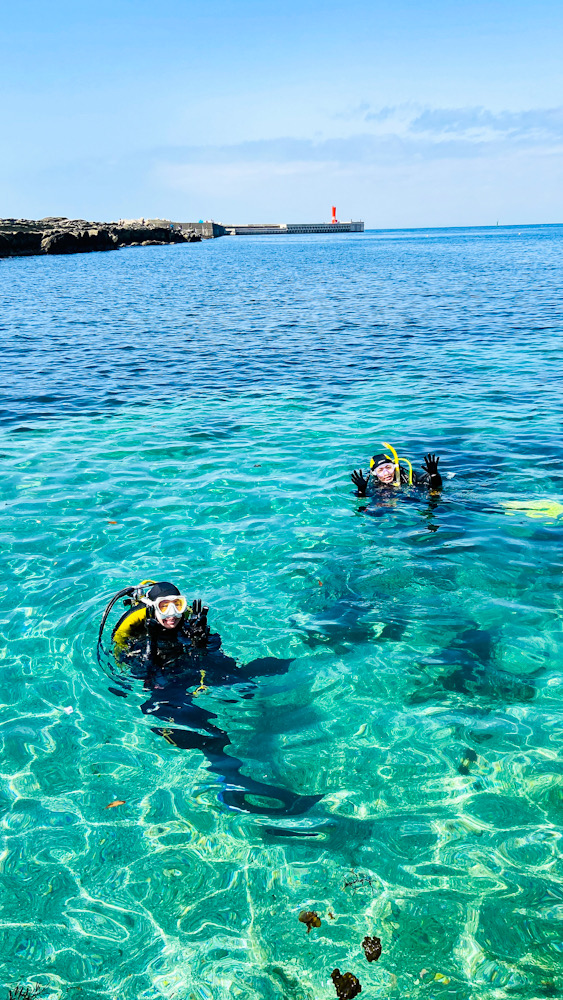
(131, 624)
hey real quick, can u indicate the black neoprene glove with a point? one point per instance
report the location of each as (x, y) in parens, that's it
(198, 623)
(430, 465)
(360, 482)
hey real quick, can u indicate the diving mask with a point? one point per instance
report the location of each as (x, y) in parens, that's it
(172, 606)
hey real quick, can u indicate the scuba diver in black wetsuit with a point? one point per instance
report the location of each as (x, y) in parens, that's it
(168, 644)
(154, 634)
(386, 474)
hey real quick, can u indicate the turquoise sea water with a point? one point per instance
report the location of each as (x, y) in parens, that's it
(193, 413)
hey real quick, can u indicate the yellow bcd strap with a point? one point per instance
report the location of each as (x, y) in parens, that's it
(202, 688)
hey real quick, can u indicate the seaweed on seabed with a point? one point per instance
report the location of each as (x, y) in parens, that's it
(346, 986)
(310, 918)
(359, 880)
(19, 992)
(469, 758)
(372, 948)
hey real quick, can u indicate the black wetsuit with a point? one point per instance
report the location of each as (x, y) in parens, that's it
(173, 671)
(370, 485)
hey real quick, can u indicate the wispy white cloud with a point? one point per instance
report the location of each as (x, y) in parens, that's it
(482, 125)
(405, 165)
(395, 134)
(475, 124)
(401, 165)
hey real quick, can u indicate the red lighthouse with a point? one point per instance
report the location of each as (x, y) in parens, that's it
(333, 214)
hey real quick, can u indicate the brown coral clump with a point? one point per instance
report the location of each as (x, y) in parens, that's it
(372, 948)
(346, 986)
(310, 918)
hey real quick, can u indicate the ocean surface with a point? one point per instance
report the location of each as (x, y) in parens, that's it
(193, 413)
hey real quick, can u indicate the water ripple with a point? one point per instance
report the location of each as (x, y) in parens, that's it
(196, 416)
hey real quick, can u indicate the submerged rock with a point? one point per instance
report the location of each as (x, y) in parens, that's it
(347, 986)
(372, 948)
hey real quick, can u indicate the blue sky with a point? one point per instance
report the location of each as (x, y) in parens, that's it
(401, 113)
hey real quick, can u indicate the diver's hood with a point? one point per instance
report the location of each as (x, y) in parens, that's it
(380, 460)
(162, 589)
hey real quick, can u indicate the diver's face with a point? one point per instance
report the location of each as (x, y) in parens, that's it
(385, 473)
(169, 610)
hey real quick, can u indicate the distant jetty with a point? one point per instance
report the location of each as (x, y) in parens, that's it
(55, 235)
(214, 229)
(293, 228)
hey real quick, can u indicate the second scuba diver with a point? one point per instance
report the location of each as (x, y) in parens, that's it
(386, 473)
(167, 643)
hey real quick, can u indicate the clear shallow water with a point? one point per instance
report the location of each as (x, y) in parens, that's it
(418, 634)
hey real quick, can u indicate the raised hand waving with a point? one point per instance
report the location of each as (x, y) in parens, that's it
(360, 482)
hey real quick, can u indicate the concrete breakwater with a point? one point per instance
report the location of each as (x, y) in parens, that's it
(25, 237)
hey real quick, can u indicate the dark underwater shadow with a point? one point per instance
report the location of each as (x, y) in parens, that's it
(189, 726)
(385, 502)
(470, 657)
(340, 626)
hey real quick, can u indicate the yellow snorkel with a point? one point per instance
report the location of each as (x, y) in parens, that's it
(410, 468)
(395, 461)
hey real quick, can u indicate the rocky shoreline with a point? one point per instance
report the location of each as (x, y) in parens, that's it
(25, 237)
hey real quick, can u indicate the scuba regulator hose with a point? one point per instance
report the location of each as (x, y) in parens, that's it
(126, 592)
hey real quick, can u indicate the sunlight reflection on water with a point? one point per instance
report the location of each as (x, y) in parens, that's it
(193, 413)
